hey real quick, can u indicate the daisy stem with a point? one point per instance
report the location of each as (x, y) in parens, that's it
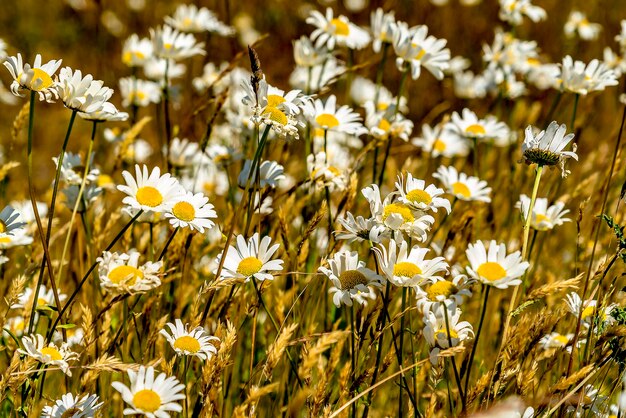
(475, 346)
(167, 243)
(86, 276)
(457, 377)
(184, 379)
(253, 171)
(401, 351)
(352, 357)
(166, 108)
(529, 215)
(573, 126)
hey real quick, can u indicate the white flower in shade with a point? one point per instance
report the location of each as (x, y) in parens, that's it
(383, 26)
(18, 238)
(469, 126)
(69, 405)
(193, 211)
(150, 191)
(621, 37)
(513, 11)
(462, 186)
(121, 273)
(578, 24)
(544, 217)
(270, 174)
(45, 297)
(416, 194)
(388, 123)
(9, 221)
(213, 77)
(169, 43)
(25, 209)
(136, 92)
(544, 76)
(155, 69)
(75, 336)
(196, 342)
(49, 354)
(416, 50)
(83, 94)
(252, 259)
(396, 216)
(555, 340)
(37, 78)
(16, 325)
(442, 334)
(360, 229)
(546, 147)
(322, 75)
(404, 267)
(324, 173)
(72, 169)
(450, 293)
(190, 18)
(580, 78)
(441, 142)
(364, 90)
(331, 31)
(591, 311)
(468, 85)
(352, 281)
(614, 61)
(493, 267)
(183, 152)
(306, 54)
(136, 51)
(150, 395)
(328, 116)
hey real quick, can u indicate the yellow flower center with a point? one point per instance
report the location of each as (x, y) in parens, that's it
(382, 106)
(184, 211)
(419, 196)
(491, 271)
(69, 413)
(406, 269)
(541, 218)
(41, 80)
(52, 352)
(441, 288)
(439, 145)
(3, 227)
(420, 54)
(5, 239)
(334, 170)
(475, 130)
(327, 121)
(588, 312)
(104, 180)
(125, 274)
(399, 209)
(249, 266)
(349, 279)
(19, 326)
(187, 343)
(168, 46)
(147, 400)
(41, 302)
(341, 27)
(128, 56)
(561, 339)
(187, 22)
(274, 100)
(444, 335)
(384, 125)
(459, 188)
(275, 115)
(149, 196)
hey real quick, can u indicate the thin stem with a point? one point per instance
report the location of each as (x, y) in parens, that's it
(572, 125)
(401, 352)
(529, 215)
(167, 243)
(457, 377)
(475, 346)
(166, 106)
(352, 357)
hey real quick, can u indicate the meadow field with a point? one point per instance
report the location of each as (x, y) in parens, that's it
(331, 208)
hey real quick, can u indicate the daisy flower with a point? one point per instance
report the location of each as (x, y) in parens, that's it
(555, 340)
(331, 31)
(149, 191)
(614, 61)
(82, 94)
(580, 78)
(137, 92)
(136, 51)
(352, 281)
(251, 259)
(45, 297)
(190, 343)
(590, 310)
(35, 347)
(416, 50)
(462, 186)
(468, 85)
(190, 18)
(493, 267)
(404, 267)
(450, 293)
(108, 113)
(37, 78)
(9, 221)
(439, 334)
(577, 23)
(16, 325)
(364, 91)
(513, 11)
(441, 142)
(418, 196)
(213, 77)
(73, 406)
(121, 273)
(150, 395)
(544, 217)
(469, 126)
(72, 169)
(383, 27)
(360, 229)
(183, 152)
(270, 174)
(169, 43)
(155, 69)
(322, 75)
(546, 147)
(328, 116)
(324, 173)
(74, 335)
(193, 211)
(387, 123)
(18, 238)
(306, 54)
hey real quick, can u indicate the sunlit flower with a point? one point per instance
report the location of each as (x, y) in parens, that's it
(149, 191)
(415, 49)
(352, 281)
(86, 406)
(544, 217)
(16, 325)
(462, 186)
(49, 354)
(137, 92)
(383, 26)
(416, 194)
(360, 229)
(577, 23)
(441, 142)
(580, 78)
(121, 273)
(471, 127)
(387, 124)
(326, 171)
(45, 297)
(321, 75)
(136, 51)
(83, 94)
(306, 54)
(37, 78)
(442, 334)
(150, 395)
(331, 31)
(251, 259)
(270, 174)
(546, 147)
(493, 267)
(190, 18)
(513, 11)
(169, 43)
(408, 267)
(193, 211)
(196, 342)
(328, 116)
(450, 293)
(213, 77)
(554, 340)
(591, 311)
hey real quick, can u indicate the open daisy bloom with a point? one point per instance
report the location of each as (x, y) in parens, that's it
(555, 341)
(513, 11)
(360, 229)
(352, 281)
(383, 27)
(169, 43)
(462, 186)
(193, 211)
(121, 273)
(439, 333)
(580, 78)
(592, 314)
(190, 343)
(546, 147)
(82, 94)
(150, 395)
(190, 18)
(339, 30)
(438, 141)
(415, 49)
(469, 126)
(328, 170)
(9, 221)
(418, 196)
(135, 51)
(493, 267)
(450, 293)
(404, 267)
(49, 354)
(578, 23)
(73, 406)
(544, 217)
(150, 191)
(327, 116)
(251, 259)
(37, 78)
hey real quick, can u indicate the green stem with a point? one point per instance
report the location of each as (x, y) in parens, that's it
(529, 215)
(167, 243)
(457, 377)
(573, 126)
(352, 358)
(475, 346)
